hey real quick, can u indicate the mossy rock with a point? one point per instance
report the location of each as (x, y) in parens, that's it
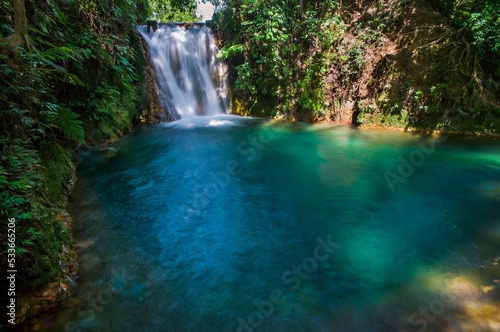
(57, 170)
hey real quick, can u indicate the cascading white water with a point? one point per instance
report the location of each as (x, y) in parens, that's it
(190, 80)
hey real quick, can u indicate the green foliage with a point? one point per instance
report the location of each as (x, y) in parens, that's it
(19, 177)
(299, 57)
(22, 187)
(56, 168)
(84, 71)
(230, 52)
(64, 119)
(280, 52)
(353, 62)
(485, 29)
(481, 20)
(173, 10)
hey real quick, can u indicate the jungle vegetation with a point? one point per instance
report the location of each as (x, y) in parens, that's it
(415, 64)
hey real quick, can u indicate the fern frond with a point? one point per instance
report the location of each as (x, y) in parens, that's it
(70, 124)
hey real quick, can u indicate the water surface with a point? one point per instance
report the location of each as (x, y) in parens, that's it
(200, 224)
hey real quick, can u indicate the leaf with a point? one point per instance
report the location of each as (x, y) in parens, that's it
(20, 251)
(70, 124)
(69, 78)
(229, 52)
(24, 215)
(5, 70)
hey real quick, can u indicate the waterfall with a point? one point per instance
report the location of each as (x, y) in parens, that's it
(190, 81)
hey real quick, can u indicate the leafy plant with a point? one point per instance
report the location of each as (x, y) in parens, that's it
(280, 51)
(83, 70)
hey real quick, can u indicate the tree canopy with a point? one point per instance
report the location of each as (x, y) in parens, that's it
(173, 10)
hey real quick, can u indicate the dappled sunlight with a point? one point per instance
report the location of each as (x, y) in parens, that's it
(467, 300)
(480, 311)
(481, 317)
(464, 290)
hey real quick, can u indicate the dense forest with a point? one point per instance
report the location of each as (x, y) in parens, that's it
(414, 64)
(75, 72)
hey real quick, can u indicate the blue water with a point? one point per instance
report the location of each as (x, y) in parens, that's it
(228, 223)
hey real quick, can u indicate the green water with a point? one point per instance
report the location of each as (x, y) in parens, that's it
(227, 224)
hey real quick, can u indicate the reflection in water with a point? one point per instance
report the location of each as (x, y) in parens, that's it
(195, 225)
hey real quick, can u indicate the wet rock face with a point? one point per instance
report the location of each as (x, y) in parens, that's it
(31, 302)
(41, 299)
(154, 113)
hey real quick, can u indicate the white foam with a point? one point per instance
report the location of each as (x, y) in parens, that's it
(221, 120)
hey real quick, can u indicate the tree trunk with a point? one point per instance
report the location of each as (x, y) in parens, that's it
(20, 36)
(301, 7)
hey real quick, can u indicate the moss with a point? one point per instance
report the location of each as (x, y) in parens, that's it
(43, 274)
(142, 100)
(259, 108)
(262, 108)
(44, 254)
(41, 234)
(57, 170)
(119, 121)
(119, 117)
